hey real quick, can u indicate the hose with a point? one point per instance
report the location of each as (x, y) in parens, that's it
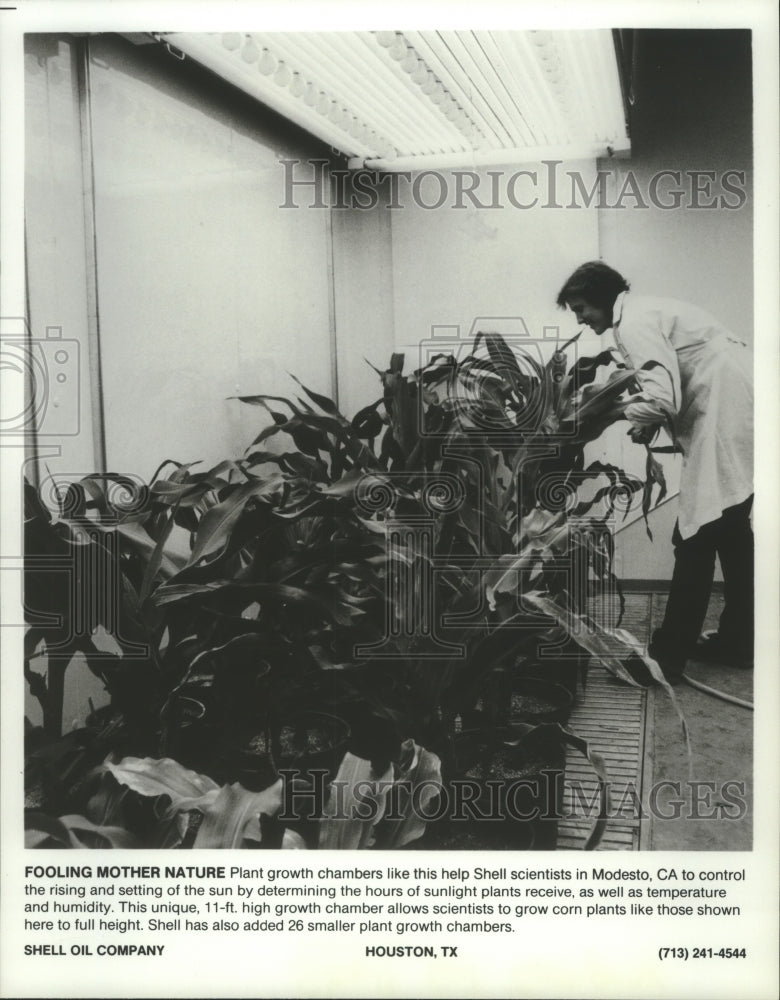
(717, 694)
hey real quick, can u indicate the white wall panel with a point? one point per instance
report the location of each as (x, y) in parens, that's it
(57, 242)
(207, 289)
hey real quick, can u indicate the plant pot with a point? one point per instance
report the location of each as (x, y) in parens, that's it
(253, 768)
(535, 701)
(311, 741)
(211, 719)
(569, 669)
(513, 785)
(369, 699)
(307, 743)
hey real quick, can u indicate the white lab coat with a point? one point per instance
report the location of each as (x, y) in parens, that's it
(706, 391)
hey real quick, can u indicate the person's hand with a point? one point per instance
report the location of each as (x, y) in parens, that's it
(643, 435)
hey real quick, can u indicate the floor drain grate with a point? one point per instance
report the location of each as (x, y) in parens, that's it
(612, 717)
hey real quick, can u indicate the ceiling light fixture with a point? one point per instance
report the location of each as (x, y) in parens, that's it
(393, 100)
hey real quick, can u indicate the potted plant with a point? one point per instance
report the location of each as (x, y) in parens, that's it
(264, 590)
(489, 449)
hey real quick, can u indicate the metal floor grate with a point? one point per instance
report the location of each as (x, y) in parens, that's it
(612, 717)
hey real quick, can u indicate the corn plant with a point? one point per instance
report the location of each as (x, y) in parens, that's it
(511, 433)
(245, 590)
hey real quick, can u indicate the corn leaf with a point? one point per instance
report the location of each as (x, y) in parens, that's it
(74, 831)
(84, 833)
(633, 645)
(214, 530)
(293, 841)
(546, 731)
(136, 535)
(151, 777)
(356, 803)
(585, 633)
(584, 370)
(323, 402)
(417, 783)
(233, 816)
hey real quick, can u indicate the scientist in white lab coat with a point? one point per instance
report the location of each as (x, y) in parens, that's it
(703, 395)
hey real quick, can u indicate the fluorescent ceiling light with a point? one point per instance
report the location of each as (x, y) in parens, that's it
(393, 100)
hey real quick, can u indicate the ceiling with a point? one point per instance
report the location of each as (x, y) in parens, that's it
(413, 100)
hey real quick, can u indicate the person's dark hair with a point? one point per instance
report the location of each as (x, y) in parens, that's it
(595, 282)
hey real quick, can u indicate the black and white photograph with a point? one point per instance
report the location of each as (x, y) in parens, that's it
(380, 485)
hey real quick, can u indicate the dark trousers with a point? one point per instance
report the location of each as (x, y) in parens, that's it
(731, 539)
